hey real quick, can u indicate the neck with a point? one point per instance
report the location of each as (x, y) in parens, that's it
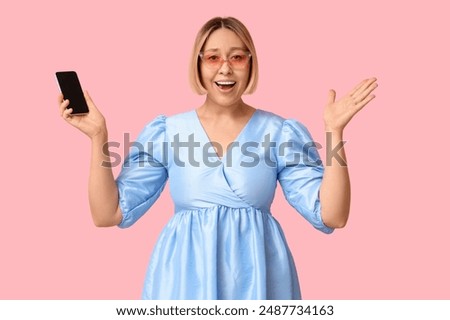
(213, 109)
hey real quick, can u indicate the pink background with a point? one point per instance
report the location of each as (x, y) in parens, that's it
(133, 59)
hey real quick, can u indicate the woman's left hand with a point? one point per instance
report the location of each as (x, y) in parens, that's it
(338, 114)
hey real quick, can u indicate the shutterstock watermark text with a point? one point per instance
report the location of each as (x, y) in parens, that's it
(192, 152)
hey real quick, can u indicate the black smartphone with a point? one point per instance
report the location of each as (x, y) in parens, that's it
(71, 89)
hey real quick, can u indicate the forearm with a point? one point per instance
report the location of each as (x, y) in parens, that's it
(103, 193)
(335, 188)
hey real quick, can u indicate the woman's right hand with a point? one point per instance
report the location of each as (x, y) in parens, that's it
(91, 124)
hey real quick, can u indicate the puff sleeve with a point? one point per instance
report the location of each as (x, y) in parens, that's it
(143, 174)
(300, 172)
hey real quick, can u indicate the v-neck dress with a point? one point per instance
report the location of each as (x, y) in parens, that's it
(222, 241)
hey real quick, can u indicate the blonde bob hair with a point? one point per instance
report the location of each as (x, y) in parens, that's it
(209, 27)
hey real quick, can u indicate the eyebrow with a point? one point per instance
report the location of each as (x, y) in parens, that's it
(231, 49)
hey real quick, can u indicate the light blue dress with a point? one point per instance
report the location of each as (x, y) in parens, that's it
(222, 241)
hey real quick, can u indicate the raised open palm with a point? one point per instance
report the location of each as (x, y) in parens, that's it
(338, 113)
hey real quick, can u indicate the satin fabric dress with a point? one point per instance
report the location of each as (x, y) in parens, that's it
(222, 241)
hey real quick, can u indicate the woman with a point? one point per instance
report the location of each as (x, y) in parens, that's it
(224, 159)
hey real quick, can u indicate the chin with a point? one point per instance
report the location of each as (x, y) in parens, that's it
(225, 101)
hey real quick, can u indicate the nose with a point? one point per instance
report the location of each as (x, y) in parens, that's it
(225, 67)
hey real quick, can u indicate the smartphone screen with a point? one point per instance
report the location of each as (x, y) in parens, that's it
(71, 89)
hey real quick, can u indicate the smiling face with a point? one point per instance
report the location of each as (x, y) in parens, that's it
(224, 84)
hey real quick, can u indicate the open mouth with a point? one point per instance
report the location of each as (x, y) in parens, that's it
(225, 85)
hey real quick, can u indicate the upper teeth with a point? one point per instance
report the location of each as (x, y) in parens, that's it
(225, 83)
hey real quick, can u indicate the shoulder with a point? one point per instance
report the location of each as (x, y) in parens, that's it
(277, 122)
(157, 124)
(181, 122)
(281, 121)
(161, 126)
(181, 117)
(163, 121)
(283, 128)
(153, 129)
(270, 117)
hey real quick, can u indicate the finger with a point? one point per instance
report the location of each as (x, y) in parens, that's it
(331, 96)
(63, 106)
(67, 114)
(365, 93)
(87, 96)
(364, 102)
(60, 98)
(89, 101)
(356, 88)
(365, 85)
